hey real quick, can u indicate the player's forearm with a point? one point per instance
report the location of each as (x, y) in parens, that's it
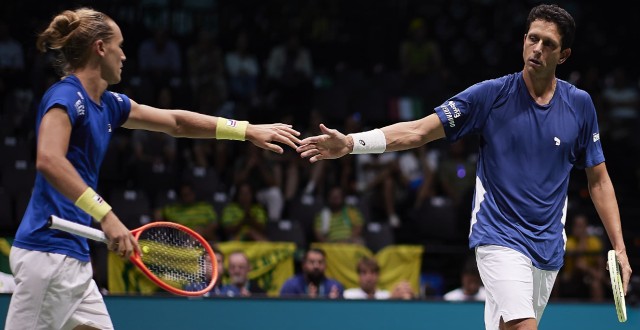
(604, 200)
(194, 125)
(184, 124)
(61, 174)
(413, 134)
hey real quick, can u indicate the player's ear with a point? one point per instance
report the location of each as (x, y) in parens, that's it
(564, 55)
(99, 47)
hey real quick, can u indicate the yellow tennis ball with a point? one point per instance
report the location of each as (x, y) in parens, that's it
(145, 249)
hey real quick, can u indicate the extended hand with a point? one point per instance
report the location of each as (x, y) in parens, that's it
(265, 135)
(329, 145)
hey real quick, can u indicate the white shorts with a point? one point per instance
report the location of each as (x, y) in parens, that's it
(54, 291)
(515, 288)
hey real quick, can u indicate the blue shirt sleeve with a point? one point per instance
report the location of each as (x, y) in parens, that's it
(467, 112)
(120, 105)
(589, 139)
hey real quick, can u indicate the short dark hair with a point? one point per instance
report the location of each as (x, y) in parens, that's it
(368, 263)
(555, 14)
(316, 250)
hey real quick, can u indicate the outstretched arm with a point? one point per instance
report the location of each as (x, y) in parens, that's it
(604, 200)
(332, 144)
(182, 123)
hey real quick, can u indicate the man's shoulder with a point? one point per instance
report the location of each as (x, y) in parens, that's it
(293, 279)
(332, 281)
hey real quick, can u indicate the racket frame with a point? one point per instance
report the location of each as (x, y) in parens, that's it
(55, 222)
(616, 285)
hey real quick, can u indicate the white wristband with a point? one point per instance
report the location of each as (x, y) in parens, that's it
(370, 142)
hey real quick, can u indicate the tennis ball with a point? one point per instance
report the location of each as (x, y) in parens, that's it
(145, 249)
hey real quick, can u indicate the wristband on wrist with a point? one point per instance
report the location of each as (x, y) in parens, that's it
(370, 142)
(93, 204)
(230, 129)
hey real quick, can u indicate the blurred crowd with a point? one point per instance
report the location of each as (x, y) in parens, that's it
(353, 65)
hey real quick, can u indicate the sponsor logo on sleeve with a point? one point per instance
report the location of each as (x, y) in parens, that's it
(596, 137)
(79, 105)
(117, 96)
(451, 112)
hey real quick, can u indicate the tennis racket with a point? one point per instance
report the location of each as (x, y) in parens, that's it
(174, 257)
(616, 285)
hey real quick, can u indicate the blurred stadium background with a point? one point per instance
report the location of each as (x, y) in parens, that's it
(352, 76)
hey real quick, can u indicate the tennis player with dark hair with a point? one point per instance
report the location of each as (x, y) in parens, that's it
(534, 129)
(75, 121)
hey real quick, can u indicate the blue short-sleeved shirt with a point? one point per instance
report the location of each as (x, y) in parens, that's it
(92, 127)
(527, 152)
(297, 286)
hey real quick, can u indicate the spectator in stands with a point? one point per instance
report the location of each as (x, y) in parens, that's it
(297, 178)
(205, 65)
(217, 155)
(584, 272)
(338, 222)
(416, 180)
(421, 60)
(15, 96)
(12, 58)
(243, 70)
(219, 289)
(377, 177)
(244, 219)
(621, 101)
(239, 283)
(155, 151)
(289, 71)
(191, 212)
(312, 282)
(256, 167)
(368, 275)
(403, 291)
(159, 63)
(471, 288)
(456, 174)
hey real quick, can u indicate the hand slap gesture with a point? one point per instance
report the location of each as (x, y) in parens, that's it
(329, 145)
(265, 136)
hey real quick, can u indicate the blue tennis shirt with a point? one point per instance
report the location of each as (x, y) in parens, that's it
(92, 128)
(527, 152)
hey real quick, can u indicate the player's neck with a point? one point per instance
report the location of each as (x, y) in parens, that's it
(92, 82)
(541, 88)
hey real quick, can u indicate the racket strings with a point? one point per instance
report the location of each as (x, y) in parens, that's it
(175, 257)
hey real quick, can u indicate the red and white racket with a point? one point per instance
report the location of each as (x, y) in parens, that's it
(616, 285)
(174, 257)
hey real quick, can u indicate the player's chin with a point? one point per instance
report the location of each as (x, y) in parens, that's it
(116, 78)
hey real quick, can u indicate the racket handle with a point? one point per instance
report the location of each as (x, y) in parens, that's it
(76, 228)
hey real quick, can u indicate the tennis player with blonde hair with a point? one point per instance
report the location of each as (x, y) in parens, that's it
(75, 122)
(534, 129)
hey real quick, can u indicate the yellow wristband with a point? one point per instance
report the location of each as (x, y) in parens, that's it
(93, 204)
(230, 129)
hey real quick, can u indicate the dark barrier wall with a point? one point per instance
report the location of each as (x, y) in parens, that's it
(159, 313)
